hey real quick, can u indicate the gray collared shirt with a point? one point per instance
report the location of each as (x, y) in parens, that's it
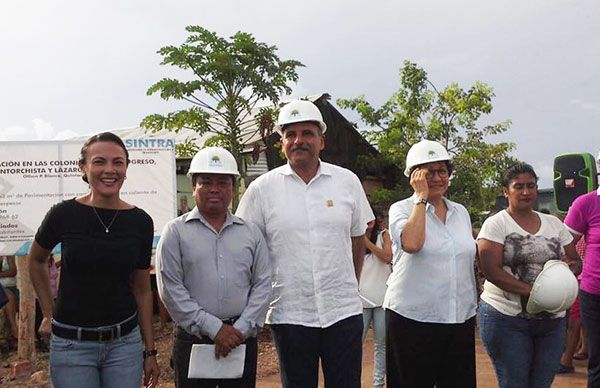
(204, 276)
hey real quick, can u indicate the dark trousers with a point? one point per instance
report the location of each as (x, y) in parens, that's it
(180, 360)
(339, 346)
(590, 318)
(421, 354)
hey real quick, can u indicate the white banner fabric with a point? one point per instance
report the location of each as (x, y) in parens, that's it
(35, 175)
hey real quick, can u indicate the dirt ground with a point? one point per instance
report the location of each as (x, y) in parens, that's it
(268, 367)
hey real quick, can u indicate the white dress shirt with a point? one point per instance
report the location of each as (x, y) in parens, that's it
(308, 228)
(436, 284)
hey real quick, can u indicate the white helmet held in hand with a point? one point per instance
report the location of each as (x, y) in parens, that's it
(298, 111)
(554, 289)
(213, 160)
(425, 151)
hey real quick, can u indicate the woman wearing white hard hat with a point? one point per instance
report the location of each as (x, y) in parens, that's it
(431, 297)
(527, 288)
(583, 220)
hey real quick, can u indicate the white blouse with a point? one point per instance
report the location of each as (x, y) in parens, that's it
(436, 284)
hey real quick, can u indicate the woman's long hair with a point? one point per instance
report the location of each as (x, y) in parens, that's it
(376, 228)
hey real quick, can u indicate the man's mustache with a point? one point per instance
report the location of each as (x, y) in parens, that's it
(300, 148)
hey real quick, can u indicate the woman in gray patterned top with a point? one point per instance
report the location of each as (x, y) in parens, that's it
(514, 245)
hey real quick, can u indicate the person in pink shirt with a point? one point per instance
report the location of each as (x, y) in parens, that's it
(583, 219)
(574, 331)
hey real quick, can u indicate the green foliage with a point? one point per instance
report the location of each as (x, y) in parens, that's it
(384, 198)
(229, 77)
(216, 141)
(419, 110)
(187, 149)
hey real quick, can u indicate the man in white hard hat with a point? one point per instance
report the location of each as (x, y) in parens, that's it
(213, 273)
(313, 215)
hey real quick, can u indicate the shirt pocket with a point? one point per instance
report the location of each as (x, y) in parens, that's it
(240, 267)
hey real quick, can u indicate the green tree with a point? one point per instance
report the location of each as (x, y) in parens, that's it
(228, 78)
(420, 110)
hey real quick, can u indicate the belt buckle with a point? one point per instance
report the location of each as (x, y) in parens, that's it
(230, 321)
(106, 335)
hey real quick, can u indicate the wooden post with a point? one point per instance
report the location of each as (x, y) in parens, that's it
(26, 347)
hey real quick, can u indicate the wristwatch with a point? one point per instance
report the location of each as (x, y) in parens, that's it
(149, 353)
(418, 200)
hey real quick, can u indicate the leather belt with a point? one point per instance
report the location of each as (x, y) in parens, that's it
(230, 321)
(104, 334)
(181, 332)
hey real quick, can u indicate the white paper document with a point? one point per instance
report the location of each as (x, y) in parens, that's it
(204, 365)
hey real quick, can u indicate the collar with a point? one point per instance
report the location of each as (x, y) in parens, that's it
(194, 214)
(324, 169)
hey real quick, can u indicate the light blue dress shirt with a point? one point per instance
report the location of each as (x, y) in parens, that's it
(204, 276)
(436, 284)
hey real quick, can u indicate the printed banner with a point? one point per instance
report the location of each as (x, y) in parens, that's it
(34, 175)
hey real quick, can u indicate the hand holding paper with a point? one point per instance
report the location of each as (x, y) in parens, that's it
(226, 340)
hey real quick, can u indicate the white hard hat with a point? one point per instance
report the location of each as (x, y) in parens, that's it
(425, 151)
(554, 289)
(213, 160)
(298, 111)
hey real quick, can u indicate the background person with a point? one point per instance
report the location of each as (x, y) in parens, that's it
(213, 273)
(313, 216)
(8, 278)
(514, 245)
(183, 205)
(583, 220)
(574, 328)
(53, 281)
(373, 277)
(163, 314)
(431, 297)
(104, 288)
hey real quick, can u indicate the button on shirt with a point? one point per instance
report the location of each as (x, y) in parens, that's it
(204, 276)
(308, 229)
(436, 284)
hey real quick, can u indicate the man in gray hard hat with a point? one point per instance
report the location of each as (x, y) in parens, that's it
(313, 215)
(213, 273)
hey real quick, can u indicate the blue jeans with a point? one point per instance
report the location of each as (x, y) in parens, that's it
(338, 346)
(590, 318)
(377, 316)
(89, 364)
(525, 352)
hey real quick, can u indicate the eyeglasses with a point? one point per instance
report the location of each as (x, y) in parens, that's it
(442, 173)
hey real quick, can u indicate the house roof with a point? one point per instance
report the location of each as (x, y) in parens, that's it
(344, 144)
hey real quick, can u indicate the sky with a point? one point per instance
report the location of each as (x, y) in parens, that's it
(72, 68)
